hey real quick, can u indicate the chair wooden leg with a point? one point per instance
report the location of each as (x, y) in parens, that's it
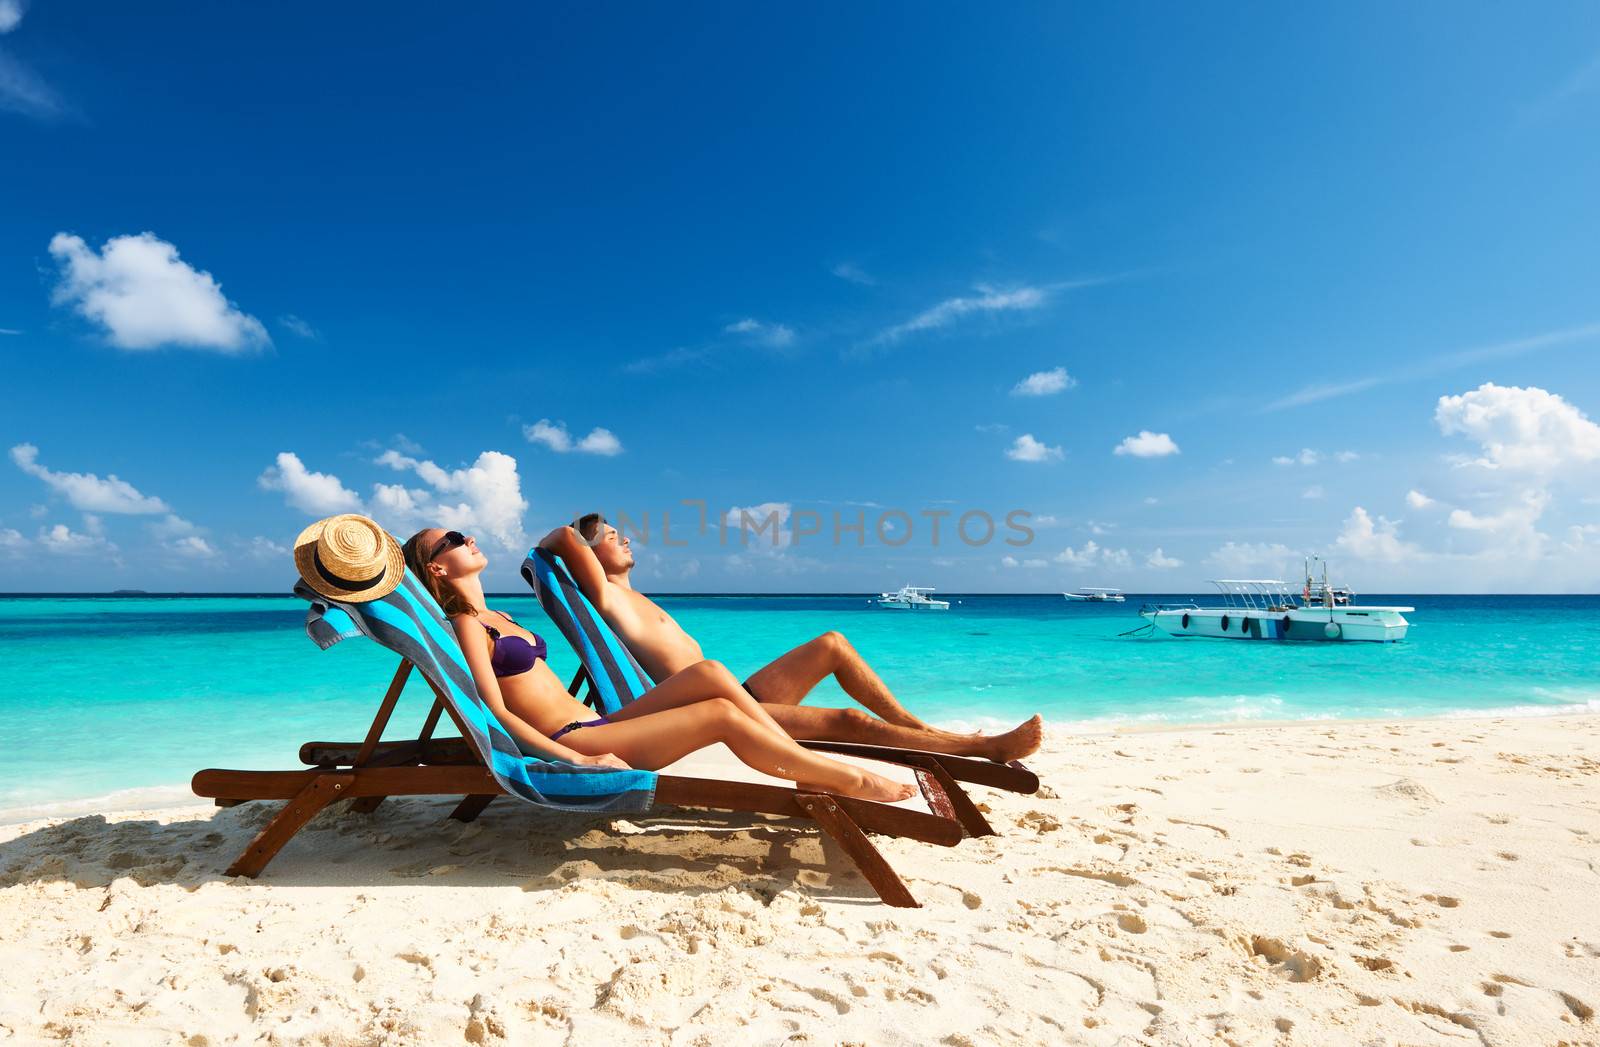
(317, 794)
(961, 805)
(834, 821)
(471, 807)
(366, 804)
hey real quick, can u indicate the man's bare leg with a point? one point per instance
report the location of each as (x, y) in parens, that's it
(788, 679)
(809, 722)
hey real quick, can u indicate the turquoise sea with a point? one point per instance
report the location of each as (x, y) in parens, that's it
(125, 697)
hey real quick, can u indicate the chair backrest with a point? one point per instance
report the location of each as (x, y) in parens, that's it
(409, 622)
(615, 675)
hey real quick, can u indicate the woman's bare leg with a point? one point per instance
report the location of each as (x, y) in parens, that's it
(698, 682)
(807, 722)
(655, 740)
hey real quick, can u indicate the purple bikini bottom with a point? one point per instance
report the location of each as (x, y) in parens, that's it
(577, 725)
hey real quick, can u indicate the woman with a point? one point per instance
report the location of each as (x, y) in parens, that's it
(700, 706)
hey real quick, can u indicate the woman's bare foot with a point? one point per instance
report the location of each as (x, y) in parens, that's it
(877, 787)
(868, 786)
(1016, 743)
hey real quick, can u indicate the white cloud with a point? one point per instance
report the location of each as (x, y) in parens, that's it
(1245, 557)
(1147, 445)
(1578, 536)
(1005, 561)
(487, 496)
(1306, 457)
(1367, 539)
(173, 526)
(554, 435)
(679, 357)
(600, 441)
(318, 494)
(772, 336)
(854, 273)
(1027, 449)
(1045, 383)
(267, 549)
(63, 541)
(1084, 557)
(1347, 456)
(299, 328)
(1152, 500)
(1524, 429)
(1093, 554)
(1161, 561)
(1418, 500)
(145, 296)
(11, 540)
(988, 300)
(194, 547)
(1514, 529)
(1313, 492)
(86, 491)
(1433, 365)
(21, 90)
(11, 12)
(764, 526)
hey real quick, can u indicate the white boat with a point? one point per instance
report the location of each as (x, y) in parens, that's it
(912, 598)
(1267, 609)
(1097, 595)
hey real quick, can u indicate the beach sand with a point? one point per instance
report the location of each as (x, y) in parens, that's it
(1410, 883)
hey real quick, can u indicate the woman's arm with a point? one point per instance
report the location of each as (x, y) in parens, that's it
(475, 645)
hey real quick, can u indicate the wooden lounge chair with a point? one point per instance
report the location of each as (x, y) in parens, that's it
(613, 677)
(484, 762)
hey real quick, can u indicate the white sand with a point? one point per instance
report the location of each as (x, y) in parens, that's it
(1415, 883)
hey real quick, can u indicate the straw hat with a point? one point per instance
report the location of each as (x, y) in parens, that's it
(349, 557)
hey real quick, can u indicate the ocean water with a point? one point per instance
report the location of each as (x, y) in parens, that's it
(116, 701)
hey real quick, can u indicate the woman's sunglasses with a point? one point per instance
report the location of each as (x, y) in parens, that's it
(451, 540)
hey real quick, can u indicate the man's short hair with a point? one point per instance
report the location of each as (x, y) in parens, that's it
(588, 525)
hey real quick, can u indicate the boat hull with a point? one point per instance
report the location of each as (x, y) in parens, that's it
(1349, 624)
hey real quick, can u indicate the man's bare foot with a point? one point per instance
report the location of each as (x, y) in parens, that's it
(1016, 743)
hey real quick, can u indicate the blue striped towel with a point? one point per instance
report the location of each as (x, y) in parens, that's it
(615, 675)
(409, 622)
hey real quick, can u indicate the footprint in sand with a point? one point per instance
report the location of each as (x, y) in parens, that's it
(1298, 965)
(1133, 923)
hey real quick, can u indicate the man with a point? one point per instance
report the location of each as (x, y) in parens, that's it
(601, 561)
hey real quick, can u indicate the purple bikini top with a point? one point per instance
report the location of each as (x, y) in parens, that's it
(512, 655)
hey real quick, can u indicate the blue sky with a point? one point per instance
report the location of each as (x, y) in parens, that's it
(1328, 279)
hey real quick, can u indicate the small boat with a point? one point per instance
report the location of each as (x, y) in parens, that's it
(1096, 595)
(912, 598)
(1267, 609)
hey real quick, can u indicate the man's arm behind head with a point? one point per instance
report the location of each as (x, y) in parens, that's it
(578, 555)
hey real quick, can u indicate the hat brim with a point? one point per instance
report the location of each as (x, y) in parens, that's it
(394, 565)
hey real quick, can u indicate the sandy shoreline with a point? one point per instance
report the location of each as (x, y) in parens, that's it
(1423, 881)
